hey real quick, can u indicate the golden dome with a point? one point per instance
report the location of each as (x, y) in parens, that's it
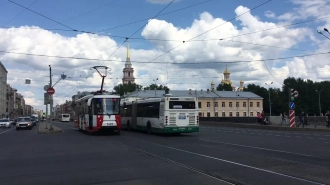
(226, 71)
(212, 83)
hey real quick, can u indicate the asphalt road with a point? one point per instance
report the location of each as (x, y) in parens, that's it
(215, 155)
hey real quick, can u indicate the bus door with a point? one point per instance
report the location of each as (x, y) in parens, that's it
(133, 116)
(90, 117)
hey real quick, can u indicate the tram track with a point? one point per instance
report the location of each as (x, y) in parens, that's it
(229, 181)
(217, 159)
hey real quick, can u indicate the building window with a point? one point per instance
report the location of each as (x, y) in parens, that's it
(251, 114)
(244, 104)
(208, 104)
(223, 114)
(223, 104)
(251, 104)
(237, 104)
(129, 73)
(208, 114)
(216, 114)
(230, 104)
(230, 114)
(237, 114)
(215, 104)
(199, 104)
(244, 114)
(258, 104)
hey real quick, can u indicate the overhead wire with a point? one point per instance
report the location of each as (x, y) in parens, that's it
(20, 13)
(180, 63)
(87, 12)
(205, 32)
(127, 38)
(134, 22)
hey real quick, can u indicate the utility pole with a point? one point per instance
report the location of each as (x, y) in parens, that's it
(51, 98)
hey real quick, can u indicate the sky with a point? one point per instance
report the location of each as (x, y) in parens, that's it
(185, 44)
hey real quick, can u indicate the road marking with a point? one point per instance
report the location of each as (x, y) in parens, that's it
(260, 148)
(6, 131)
(231, 162)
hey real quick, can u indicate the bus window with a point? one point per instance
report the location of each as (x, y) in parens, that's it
(181, 105)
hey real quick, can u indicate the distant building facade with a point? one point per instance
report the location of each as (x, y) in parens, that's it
(3, 91)
(11, 95)
(128, 71)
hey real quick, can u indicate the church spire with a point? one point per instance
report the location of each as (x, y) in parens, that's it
(128, 55)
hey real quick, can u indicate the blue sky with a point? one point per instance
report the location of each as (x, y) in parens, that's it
(26, 32)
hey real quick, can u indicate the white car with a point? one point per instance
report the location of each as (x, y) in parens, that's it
(5, 123)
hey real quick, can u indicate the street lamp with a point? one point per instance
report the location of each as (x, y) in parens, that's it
(155, 85)
(323, 34)
(319, 99)
(325, 29)
(270, 104)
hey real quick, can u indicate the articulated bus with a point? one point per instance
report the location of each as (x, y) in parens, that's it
(96, 112)
(161, 115)
(65, 117)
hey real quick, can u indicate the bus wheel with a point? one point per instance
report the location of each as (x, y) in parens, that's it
(149, 128)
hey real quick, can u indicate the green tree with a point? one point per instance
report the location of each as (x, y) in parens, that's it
(153, 86)
(224, 87)
(121, 89)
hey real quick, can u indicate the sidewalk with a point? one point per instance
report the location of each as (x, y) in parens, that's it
(311, 127)
(43, 130)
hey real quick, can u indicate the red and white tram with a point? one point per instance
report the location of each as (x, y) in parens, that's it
(96, 112)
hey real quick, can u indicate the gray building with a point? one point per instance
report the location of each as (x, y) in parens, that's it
(3, 91)
(211, 103)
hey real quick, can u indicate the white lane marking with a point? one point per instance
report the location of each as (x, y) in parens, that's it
(6, 131)
(260, 148)
(231, 162)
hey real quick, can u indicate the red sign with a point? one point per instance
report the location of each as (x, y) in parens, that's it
(50, 91)
(292, 119)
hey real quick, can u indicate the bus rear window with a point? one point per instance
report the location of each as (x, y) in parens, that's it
(181, 105)
(65, 116)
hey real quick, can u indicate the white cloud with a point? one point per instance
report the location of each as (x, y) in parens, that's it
(270, 14)
(192, 76)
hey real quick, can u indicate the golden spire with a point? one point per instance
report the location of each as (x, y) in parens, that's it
(128, 55)
(212, 83)
(226, 71)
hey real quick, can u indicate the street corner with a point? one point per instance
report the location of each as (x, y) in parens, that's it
(46, 128)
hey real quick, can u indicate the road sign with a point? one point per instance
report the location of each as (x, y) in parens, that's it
(46, 99)
(46, 87)
(15, 106)
(50, 91)
(292, 119)
(296, 94)
(292, 106)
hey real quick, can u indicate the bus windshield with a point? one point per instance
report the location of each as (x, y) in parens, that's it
(107, 106)
(181, 105)
(65, 115)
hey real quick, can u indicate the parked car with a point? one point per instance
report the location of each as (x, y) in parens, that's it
(5, 123)
(24, 122)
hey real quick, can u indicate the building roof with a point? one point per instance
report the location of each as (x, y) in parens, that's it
(194, 93)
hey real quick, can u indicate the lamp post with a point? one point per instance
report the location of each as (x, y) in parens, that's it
(319, 99)
(326, 30)
(155, 85)
(270, 104)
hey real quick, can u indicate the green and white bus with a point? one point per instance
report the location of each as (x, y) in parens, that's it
(161, 115)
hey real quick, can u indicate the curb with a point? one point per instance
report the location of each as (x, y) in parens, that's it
(264, 127)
